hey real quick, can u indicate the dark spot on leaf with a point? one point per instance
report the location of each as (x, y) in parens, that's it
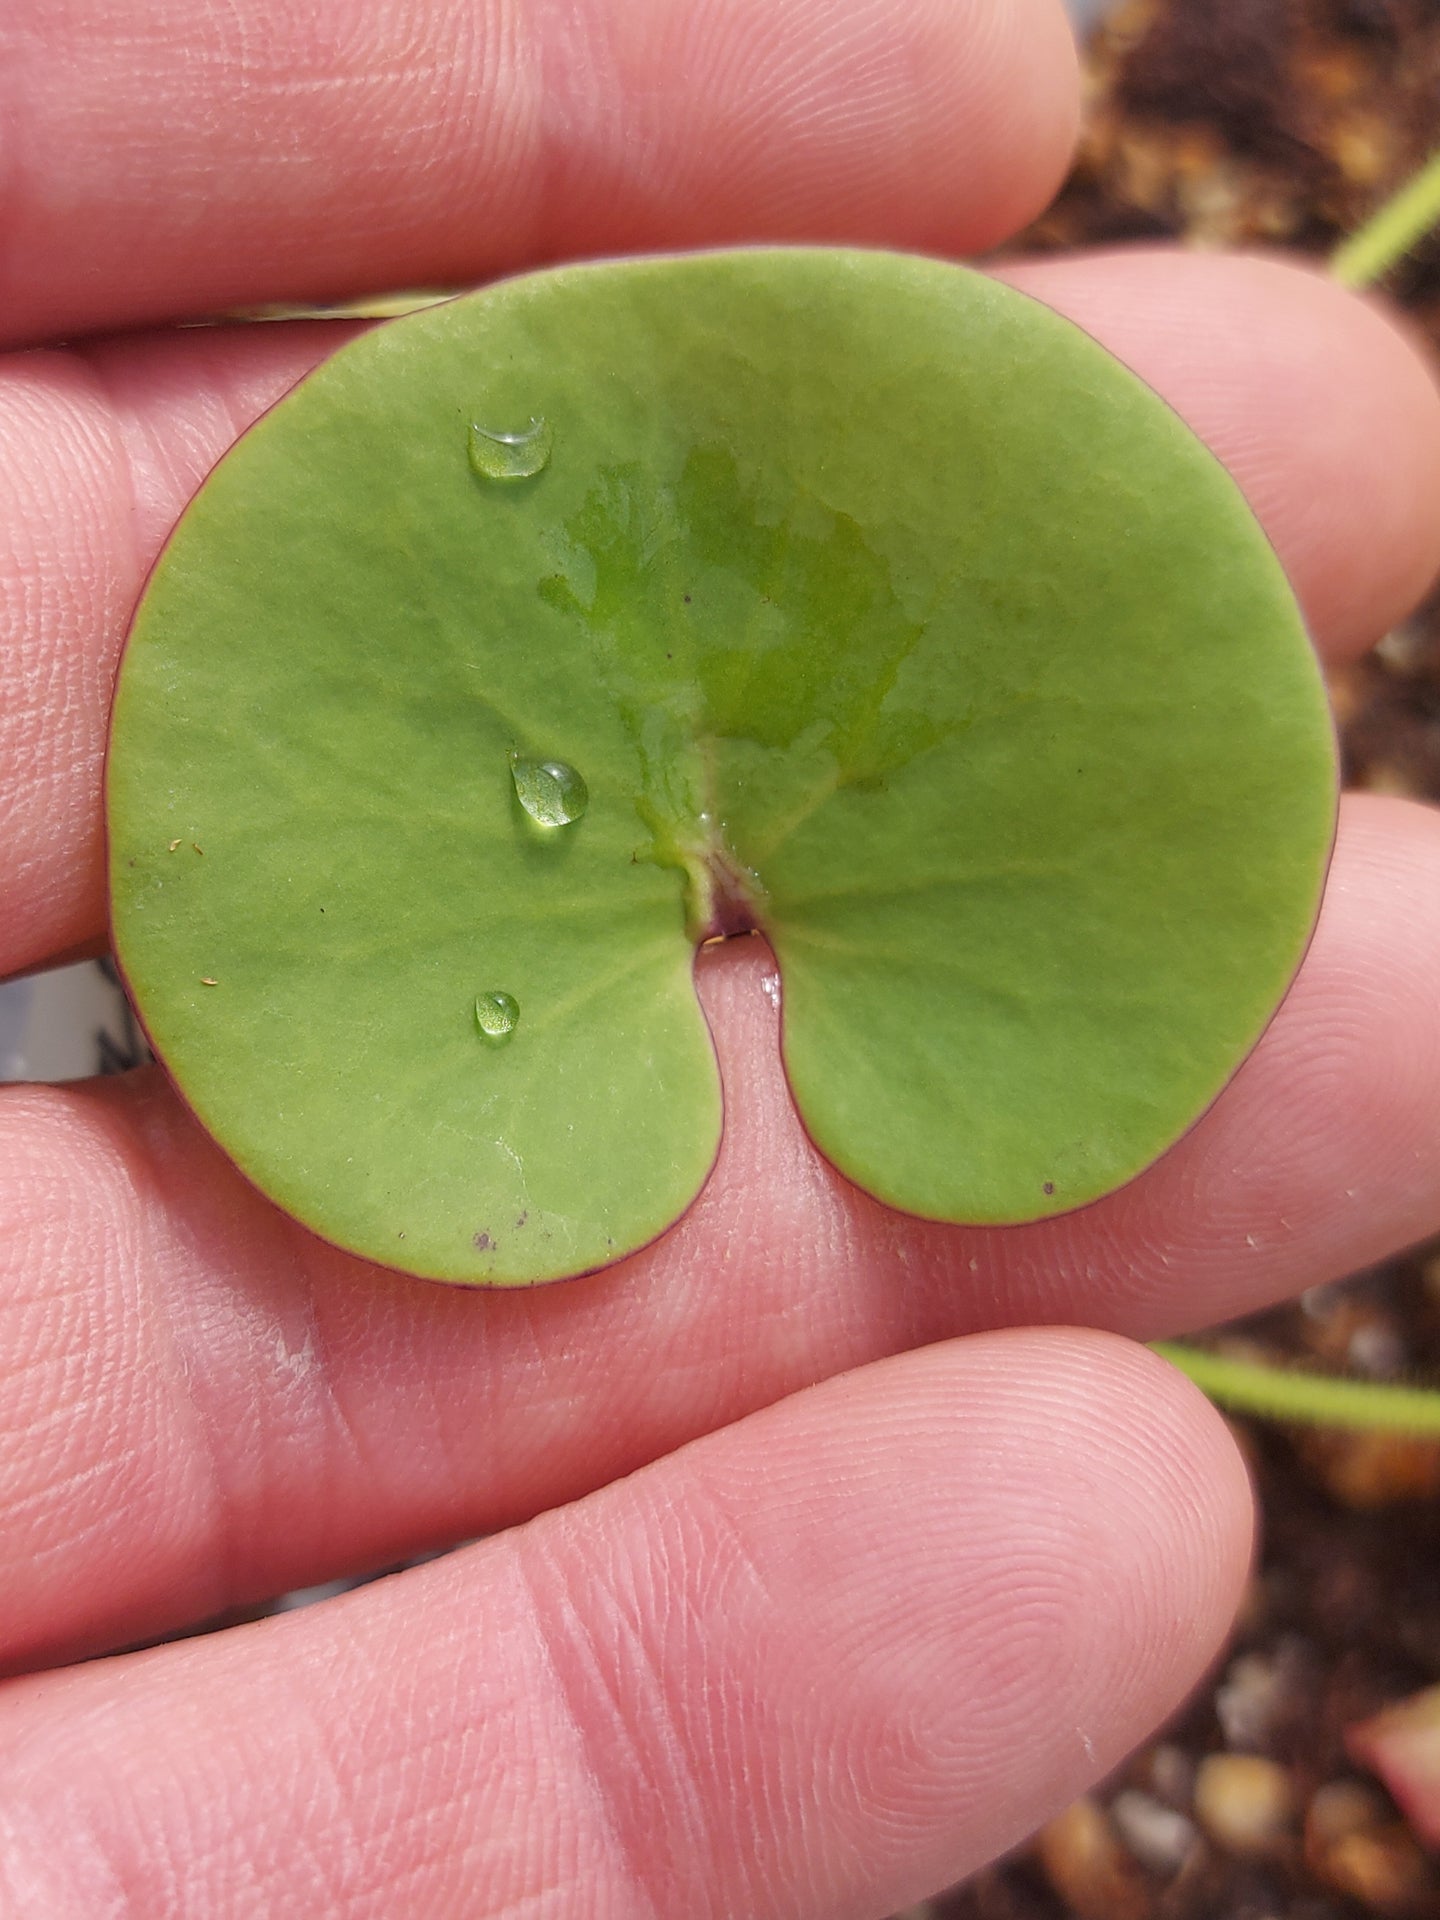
(687, 602)
(1049, 1186)
(523, 1218)
(197, 849)
(484, 1242)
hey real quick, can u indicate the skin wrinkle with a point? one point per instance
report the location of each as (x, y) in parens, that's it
(714, 1697)
(600, 1701)
(434, 1779)
(41, 1874)
(250, 1462)
(326, 1787)
(210, 1537)
(161, 458)
(155, 1441)
(248, 1317)
(856, 1754)
(35, 676)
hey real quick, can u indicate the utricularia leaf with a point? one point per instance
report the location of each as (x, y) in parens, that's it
(539, 635)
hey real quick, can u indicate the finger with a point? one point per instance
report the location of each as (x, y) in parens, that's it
(818, 1665)
(204, 1405)
(199, 157)
(1249, 352)
(105, 449)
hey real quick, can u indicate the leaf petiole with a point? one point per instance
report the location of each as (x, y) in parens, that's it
(1277, 1393)
(1389, 234)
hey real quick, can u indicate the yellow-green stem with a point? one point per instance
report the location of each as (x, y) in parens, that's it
(1276, 1393)
(1391, 232)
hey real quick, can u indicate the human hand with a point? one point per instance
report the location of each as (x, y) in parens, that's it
(842, 1568)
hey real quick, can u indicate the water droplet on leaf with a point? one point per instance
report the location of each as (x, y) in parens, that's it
(497, 1014)
(510, 456)
(550, 791)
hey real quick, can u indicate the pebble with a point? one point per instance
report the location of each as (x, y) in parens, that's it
(1355, 1846)
(1245, 1803)
(1364, 1471)
(1257, 1694)
(1082, 1858)
(1376, 1350)
(1168, 1772)
(1340, 1808)
(1159, 1837)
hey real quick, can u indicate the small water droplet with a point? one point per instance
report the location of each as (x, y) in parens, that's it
(497, 1014)
(495, 455)
(550, 791)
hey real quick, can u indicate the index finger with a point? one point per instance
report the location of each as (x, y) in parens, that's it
(174, 158)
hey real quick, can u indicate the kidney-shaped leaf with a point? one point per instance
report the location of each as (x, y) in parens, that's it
(844, 595)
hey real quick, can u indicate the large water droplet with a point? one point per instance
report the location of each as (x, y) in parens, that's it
(510, 456)
(497, 1014)
(552, 793)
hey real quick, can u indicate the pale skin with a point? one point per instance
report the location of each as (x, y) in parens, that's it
(826, 1559)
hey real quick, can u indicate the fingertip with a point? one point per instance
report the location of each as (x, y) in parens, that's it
(1027, 101)
(1024, 1548)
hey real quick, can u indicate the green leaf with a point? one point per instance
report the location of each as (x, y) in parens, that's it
(540, 634)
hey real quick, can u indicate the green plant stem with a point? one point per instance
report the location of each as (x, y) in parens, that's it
(1390, 233)
(1317, 1399)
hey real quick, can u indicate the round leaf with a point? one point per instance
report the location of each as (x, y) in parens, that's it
(538, 635)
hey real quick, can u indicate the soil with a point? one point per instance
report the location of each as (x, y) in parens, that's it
(1280, 123)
